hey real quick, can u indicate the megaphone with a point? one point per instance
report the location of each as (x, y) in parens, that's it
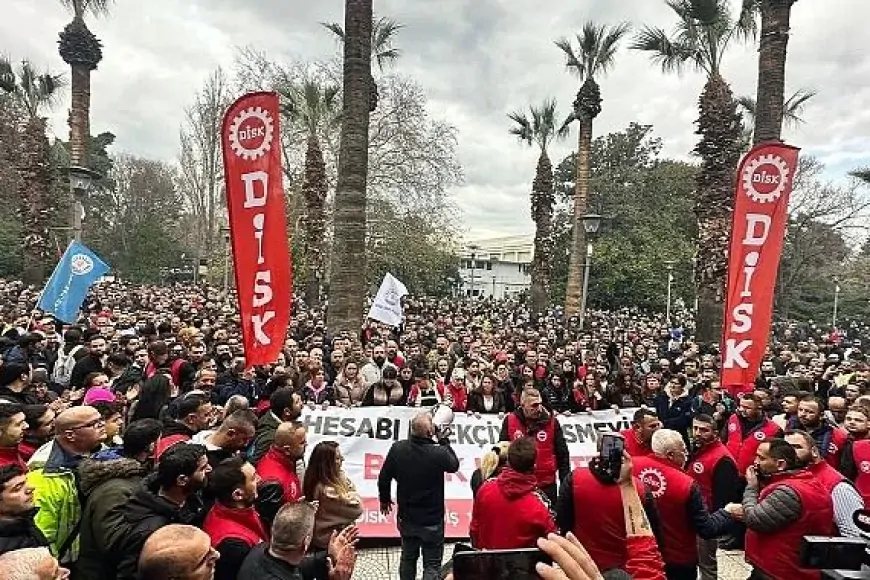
(442, 416)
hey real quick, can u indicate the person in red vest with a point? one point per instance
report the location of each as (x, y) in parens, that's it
(510, 512)
(830, 438)
(532, 420)
(279, 463)
(714, 469)
(590, 506)
(188, 415)
(13, 424)
(845, 498)
(644, 423)
(792, 504)
(182, 372)
(855, 459)
(680, 503)
(746, 429)
(233, 524)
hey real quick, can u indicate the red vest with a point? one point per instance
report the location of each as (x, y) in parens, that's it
(743, 450)
(598, 520)
(633, 446)
(776, 554)
(12, 456)
(861, 456)
(223, 523)
(459, 396)
(275, 466)
(835, 448)
(701, 469)
(174, 371)
(545, 463)
(671, 488)
(826, 475)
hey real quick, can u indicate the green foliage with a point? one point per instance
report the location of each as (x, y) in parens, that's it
(11, 256)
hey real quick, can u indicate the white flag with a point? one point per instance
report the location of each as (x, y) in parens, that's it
(387, 306)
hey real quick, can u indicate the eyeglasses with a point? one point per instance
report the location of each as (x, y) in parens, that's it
(96, 423)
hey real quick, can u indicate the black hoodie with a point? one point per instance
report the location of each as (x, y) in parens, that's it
(20, 532)
(145, 513)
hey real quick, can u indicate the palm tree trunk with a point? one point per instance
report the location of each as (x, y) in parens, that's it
(348, 272)
(542, 213)
(80, 114)
(574, 287)
(719, 148)
(314, 190)
(35, 183)
(772, 52)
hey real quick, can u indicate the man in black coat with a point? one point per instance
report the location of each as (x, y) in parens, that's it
(17, 529)
(418, 465)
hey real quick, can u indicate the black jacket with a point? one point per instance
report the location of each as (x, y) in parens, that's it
(475, 402)
(20, 532)
(418, 465)
(260, 565)
(144, 514)
(83, 367)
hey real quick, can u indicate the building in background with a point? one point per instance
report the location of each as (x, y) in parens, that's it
(496, 267)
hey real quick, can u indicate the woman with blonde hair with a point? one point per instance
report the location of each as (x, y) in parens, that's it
(491, 465)
(325, 482)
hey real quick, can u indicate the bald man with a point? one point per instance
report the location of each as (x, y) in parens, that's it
(31, 564)
(180, 552)
(279, 463)
(78, 432)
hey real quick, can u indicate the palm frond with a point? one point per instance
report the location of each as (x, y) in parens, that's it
(81, 7)
(608, 47)
(746, 26)
(572, 63)
(7, 76)
(794, 106)
(522, 129)
(384, 30)
(862, 174)
(335, 28)
(671, 55)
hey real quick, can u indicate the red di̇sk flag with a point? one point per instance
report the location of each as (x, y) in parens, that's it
(255, 200)
(764, 184)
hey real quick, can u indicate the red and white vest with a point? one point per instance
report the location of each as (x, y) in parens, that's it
(703, 464)
(743, 450)
(545, 463)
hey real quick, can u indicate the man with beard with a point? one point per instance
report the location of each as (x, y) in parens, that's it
(836, 413)
(829, 438)
(279, 463)
(92, 363)
(284, 405)
(13, 424)
(52, 473)
(533, 420)
(644, 423)
(855, 461)
(14, 383)
(169, 496)
(232, 437)
(789, 409)
(233, 524)
(845, 498)
(188, 415)
(373, 371)
(792, 504)
(747, 428)
(713, 467)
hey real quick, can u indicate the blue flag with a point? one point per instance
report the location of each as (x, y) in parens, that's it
(69, 283)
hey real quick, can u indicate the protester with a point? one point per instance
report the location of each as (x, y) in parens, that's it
(179, 552)
(279, 463)
(13, 425)
(187, 416)
(284, 405)
(40, 429)
(31, 564)
(338, 503)
(17, 527)
(638, 438)
(232, 437)
(747, 428)
(491, 464)
(418, 465)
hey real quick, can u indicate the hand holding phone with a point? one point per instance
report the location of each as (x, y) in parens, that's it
(610, 454)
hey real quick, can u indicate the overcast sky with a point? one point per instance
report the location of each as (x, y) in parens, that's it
(476, 59)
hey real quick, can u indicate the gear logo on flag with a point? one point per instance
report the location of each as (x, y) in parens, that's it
(251, 133)
(81, 264)
(765, 178)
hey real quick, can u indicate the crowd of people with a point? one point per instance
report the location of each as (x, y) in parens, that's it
(138, 442)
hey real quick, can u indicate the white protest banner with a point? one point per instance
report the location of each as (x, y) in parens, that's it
(365, 435)
(387, 306)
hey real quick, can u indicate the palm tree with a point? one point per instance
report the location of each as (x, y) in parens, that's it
(597, 45)
(82, 51)
(772, 53)
(34, 91)
(792, 110)
(383, 52)
(704, 31)
(312, 108)
(540, 128)
(348, 271)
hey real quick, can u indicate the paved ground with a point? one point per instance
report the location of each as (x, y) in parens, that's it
(383, 563)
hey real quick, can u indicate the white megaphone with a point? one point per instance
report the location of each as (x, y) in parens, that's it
(442, 417)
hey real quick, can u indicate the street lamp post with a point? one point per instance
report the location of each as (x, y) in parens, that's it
(473, 249)
(591, 223)
(836, 301)
(80, 181)
(669, 265)
(226, 232)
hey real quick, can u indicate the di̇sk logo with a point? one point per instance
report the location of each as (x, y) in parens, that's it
(732, 427)
(81, 264)
(542, 436)
(759, 435)
(765, 178)
(654, 480)
(865, 467)
(698, 468)
(518, 434)
(251, 133)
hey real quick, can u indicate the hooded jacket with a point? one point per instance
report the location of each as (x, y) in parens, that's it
(510, 513)
(51, 472)
(107, 483)
(144, 514)
(20, 532)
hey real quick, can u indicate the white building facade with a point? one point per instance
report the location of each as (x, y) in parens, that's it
(496, 267)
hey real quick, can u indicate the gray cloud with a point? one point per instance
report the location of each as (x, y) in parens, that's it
(476, 59)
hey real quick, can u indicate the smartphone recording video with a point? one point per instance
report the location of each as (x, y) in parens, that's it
(610, 454)
(498, 564)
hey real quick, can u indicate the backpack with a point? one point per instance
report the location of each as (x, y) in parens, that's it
(64, 366)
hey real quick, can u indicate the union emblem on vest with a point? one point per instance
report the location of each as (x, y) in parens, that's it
(655, 480)
(759, 435)
(542, 436)
(698, 467)
(865, 467)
